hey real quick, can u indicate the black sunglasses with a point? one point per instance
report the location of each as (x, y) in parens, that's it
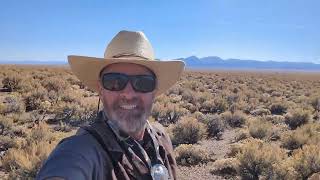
(118, 81)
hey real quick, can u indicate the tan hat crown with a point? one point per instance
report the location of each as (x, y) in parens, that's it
(130, 44)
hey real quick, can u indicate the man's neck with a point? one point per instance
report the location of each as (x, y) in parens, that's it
(138, 136)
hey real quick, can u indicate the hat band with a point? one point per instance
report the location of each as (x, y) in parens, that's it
(129, 55)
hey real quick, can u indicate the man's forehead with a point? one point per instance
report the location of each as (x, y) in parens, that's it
(126, 68)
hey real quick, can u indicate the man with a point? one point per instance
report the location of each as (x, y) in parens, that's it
(120, 143)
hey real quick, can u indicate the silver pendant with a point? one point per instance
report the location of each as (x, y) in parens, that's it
(159, 172)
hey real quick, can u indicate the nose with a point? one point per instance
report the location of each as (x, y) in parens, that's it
(128, 92)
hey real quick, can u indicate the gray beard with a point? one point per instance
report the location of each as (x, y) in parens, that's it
(128, 126)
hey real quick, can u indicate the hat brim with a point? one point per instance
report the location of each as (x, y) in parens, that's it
(87, 69)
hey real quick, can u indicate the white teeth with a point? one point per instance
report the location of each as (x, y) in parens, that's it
(128, 107)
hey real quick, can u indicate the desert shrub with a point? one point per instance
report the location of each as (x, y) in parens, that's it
(69, 97)
(74, 114)
(306, 161)
(54, 97)
(278, 108)
(16, 131)
(315, 102)
(207, 107)
(284, 171)
(276, 94)
(215, 125)
(225, 167)
(218, 105)
(201, 97)
(54, 84)
(187, 131)
(3, 108)
(6, 125)
(169, 114)
(260, 112)
(24, 163)
(314, 176)
(157, 108)
(12, 81)
(303, 164)
(276, 132)
(199, 116)
(38, 76)
(188, 95)
(6, 143)
(256, 159)
(235, 148)
(260, 129)
(306, 134)
(40, 133)
(73, 80)
(236, 119)
(175, 98)
(188, 155)
(28, 84)
(176, 89)
(232, 98)
(242, 134)
(12, 104)
(293, 141)
(190, 107)
(63, 127)
(274, 119)
(234, 107)
(34, 99)
(297, 118)
(192, 84)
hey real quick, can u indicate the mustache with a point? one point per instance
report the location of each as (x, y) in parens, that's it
(126, 101)
(135, 101)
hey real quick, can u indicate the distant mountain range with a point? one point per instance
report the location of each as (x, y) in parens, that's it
(214, 62)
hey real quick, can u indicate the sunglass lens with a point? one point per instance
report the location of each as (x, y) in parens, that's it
(114, 81)
(144, 83)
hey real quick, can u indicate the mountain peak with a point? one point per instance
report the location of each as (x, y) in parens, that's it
(192, 58)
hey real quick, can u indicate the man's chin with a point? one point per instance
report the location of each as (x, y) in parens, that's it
(130, 125)
(135, 127)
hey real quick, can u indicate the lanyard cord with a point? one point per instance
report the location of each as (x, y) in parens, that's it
(155, 143)
(128, 147)
(98, 107)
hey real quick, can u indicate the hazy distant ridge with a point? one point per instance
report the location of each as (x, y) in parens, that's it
(217, 62)
(213, 62)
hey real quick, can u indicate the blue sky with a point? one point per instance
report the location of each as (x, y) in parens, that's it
(280, 30)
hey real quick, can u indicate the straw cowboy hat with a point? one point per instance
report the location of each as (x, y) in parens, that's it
(127, 47)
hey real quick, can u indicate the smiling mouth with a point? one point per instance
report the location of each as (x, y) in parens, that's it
(128, 107)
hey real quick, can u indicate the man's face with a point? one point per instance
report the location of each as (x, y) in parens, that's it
(127, 108)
